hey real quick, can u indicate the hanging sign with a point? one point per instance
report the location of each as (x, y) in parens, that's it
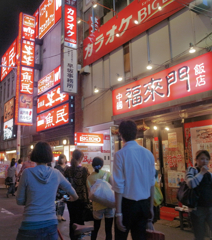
(9, 110)
(185, 79)
(51, 99)
(53, 118)
(49, 81)
(146, 13)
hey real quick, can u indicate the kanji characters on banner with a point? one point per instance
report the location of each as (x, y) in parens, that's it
(185, 79)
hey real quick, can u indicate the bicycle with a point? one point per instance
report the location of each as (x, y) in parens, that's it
(80, 231)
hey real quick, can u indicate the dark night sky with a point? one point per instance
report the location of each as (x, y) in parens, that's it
(9, 14)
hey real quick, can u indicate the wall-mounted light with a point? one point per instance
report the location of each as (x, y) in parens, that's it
(94, 5)
(192, 49)
(64, 141)
(155, 127)
(166, 128)
(31, 147)
(96, 90)
(149, 66)
(79, 20)
(119, 78)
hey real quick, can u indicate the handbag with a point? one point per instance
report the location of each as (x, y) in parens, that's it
(187, 196)
(158, 196)
(101, 192)
(8, 181)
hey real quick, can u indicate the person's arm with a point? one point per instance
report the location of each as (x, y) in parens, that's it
(110, 180)
(21, 192)
(118, 187)
(66, 186)
(193, 179)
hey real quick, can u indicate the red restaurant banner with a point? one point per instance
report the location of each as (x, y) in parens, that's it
(36, 15)
(27, 80)
(51, 99)
(53, 118)
(70, 26)
(49, 81)
(183, 80)
(49, 14)
(9, 59)
(146, 14)
(89, 139)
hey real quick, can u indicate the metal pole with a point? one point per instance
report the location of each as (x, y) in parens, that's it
(18, 142)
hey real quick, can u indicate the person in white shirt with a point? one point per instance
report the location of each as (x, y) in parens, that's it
(19, 166)
(134, 180)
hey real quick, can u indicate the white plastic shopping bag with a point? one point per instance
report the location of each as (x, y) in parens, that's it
(102, 192)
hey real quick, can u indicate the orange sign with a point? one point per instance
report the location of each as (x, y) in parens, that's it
(53, 118)
(46, 16)
(28, 55)
(27, 79)
(49, 81)
(28, 27)
(9, 110)
(89, 139)
(36, 15)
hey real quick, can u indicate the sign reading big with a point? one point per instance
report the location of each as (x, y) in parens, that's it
(134, 19)
(49, 14)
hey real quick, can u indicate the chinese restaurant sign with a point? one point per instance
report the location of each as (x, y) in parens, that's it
(185, 79)
(8, 59)
(25, 72)
(53, 118)
(89, 139)
(104, 40)
(49, 14)
(51, 99)
(70, 26)
(49, 81)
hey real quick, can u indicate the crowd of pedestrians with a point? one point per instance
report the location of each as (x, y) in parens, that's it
(133, 182)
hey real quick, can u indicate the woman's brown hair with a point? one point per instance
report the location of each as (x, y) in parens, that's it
(76, 156)
(60, 162)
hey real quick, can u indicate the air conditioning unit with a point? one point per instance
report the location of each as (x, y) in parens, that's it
(199, 6)
(85, 70)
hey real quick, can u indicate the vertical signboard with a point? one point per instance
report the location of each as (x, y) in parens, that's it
(25, 72)
(69, 48)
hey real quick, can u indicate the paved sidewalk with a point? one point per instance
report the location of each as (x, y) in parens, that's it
(11, 217)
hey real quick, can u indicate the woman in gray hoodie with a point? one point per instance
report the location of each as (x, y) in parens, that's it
(37, 190)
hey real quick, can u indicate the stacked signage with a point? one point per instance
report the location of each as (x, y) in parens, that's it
(69, 49)
(8, 128)
(25, 70)
(52, 105)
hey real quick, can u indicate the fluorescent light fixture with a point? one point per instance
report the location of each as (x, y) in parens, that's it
(12, 151)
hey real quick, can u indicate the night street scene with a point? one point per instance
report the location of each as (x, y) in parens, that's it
(106, 120)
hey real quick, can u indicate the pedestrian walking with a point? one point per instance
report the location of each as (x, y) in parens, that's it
(77, 176)
(61, 166)
(27, 164)
(134, 180)
(11, 173)
(18, 169)
(37, 190)
(99, 210)
(200, 178)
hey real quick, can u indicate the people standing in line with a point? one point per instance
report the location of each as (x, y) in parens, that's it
(61, 166)
(11, 173)
(27, 164)
(200, 178)
(37, 190)
(134, 180)
(77, 176)
(100, 210)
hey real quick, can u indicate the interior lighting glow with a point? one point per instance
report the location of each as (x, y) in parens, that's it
(166, 128)
(155, 127)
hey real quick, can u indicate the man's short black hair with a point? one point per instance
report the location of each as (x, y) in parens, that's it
(128, 130)
(42, 153)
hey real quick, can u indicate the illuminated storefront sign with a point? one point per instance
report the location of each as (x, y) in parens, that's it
(185, 79)
(36, 15)
(49, 14)
(70, 26)
(51, 99)
(9, 59)
(49, 81)
(8, 129)
(146, 14)
(25, 73)
(9, 110)
(53, 118)
(89, 139)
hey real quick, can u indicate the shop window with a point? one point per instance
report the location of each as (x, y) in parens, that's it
(126, 58)
(8, 88)
(120, 4)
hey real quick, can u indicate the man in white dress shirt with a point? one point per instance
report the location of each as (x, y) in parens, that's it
(133, 173)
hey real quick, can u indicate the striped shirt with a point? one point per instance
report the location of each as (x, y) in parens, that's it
(193, 177)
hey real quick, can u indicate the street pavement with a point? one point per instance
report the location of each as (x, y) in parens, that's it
(11, 217)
